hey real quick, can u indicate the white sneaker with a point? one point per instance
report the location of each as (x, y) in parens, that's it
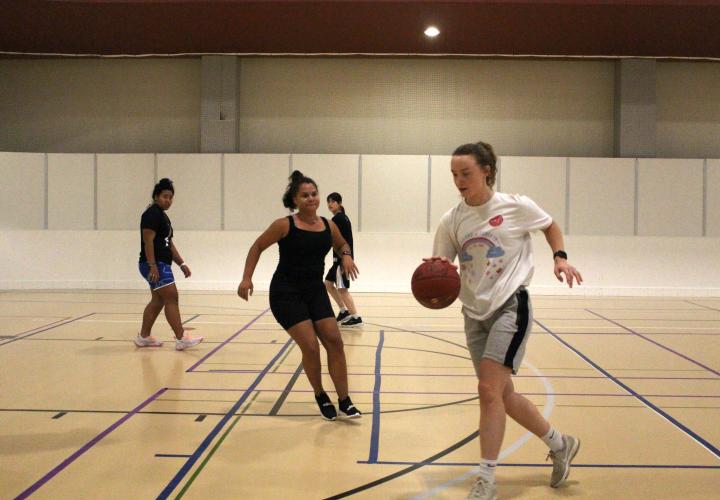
(186, 342)
(562, 459)
(483, 490)
(148, 341)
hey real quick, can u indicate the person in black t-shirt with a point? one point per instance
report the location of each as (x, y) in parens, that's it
(298, 298)
(157, 253)
(336, 280)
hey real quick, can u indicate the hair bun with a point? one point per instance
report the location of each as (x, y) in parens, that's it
(297, 176)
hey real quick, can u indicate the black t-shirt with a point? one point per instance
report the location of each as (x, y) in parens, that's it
(154, 218)
(343, 223)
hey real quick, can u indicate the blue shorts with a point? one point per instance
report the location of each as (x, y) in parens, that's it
(165, 275)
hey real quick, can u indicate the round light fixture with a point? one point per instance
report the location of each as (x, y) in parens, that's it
(432, 32)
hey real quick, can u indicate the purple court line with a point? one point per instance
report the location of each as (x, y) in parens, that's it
(359, 374)
(47, 477)
(588, 466)
(656, 343)
(591, 394)
(41, 326)
(216, 349)
(54, 324)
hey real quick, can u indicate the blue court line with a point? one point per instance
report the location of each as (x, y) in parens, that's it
(206, 442)
(45, 329)
(170, 455)
(216, 349)
(687, 358)
(712, 449)
(587, 466)
(375, 433)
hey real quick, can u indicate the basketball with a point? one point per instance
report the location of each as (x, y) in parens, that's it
(435, 284)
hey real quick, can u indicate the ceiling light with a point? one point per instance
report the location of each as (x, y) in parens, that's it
(432, 31)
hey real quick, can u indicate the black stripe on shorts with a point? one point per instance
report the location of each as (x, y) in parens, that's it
(522, 323)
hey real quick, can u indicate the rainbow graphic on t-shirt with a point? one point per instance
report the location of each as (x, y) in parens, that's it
(493, 251)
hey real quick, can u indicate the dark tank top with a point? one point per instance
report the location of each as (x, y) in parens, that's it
(302, 253)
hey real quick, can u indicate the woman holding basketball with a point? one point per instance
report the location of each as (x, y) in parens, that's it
(490, 234)
(298, 298)
(336, 279)
(157, 253)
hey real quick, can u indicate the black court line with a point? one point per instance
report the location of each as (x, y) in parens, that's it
(65, 322)
(699, 439)
(585, 466)
(200, 418)
(407, 470)
(60, 415)
(286, 392)
(703, 306)
(170, 455)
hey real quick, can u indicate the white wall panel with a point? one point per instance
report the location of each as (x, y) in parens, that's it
(22, 190)
(443, 193)
(254, 186)
(71, 191)
(394, 193)
(124, 189)
(713, 198)
(602, 196)
(542, 179)
(197, 201)
(333, 173)
(670, 197)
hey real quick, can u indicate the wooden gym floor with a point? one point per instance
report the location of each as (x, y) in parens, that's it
(85, 414)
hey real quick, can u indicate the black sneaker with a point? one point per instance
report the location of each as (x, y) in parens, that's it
(326, 407)
(348, 408)
(351, 322)
(342, 316)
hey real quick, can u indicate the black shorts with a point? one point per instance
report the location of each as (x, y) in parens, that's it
(293, 301)
(336, 275)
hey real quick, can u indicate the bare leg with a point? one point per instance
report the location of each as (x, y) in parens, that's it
(330, 287)
(169, 296)
(152, 309)
(348, 300)
(329, 334)
(524, 412)
(304, 336)
(492, 380)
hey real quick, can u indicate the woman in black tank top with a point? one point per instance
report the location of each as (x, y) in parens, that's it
(298, 298)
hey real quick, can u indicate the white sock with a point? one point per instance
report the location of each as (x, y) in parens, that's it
(487, 470)
(553, 439)
(343, 309)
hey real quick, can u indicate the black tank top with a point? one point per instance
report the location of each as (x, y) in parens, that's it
(302, 253)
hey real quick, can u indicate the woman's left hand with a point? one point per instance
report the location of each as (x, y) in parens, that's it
(571, 274)
(349, 267)
(186, 270)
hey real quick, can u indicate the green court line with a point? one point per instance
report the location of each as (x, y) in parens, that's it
(215, 448)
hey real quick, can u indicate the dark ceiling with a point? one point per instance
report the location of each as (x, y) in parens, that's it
(559, 28)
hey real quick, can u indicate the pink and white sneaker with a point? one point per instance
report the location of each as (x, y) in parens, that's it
(148, 341)
(186, 342)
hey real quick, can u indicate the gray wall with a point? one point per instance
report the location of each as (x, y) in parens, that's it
(337, 105)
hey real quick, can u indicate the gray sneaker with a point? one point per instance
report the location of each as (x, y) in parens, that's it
(483, 489)
(562, 459)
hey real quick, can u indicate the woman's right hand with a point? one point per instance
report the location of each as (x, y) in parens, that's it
(245, 288)
(444, 259)
(153, 275)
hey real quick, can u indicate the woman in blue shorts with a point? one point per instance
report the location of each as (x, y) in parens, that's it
(157, 253)
(298, 298)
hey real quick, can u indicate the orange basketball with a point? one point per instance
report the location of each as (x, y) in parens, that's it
(435, 284)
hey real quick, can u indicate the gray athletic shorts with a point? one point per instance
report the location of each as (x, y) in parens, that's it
(503, 336)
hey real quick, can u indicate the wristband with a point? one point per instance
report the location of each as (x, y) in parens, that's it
(346, 252)
(151, 264)
(182, 264)
(561, 254)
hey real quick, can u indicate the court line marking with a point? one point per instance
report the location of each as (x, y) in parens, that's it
(216, 349)
(375, 430)
(687, 358)
(59, 468)
(44, 329)
(696, 437)
(218, 427)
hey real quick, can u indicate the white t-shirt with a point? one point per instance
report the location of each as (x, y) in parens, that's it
(494, 248)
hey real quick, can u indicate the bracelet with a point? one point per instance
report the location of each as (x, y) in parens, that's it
(347, 252)
(151, 264)
(561, 254)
